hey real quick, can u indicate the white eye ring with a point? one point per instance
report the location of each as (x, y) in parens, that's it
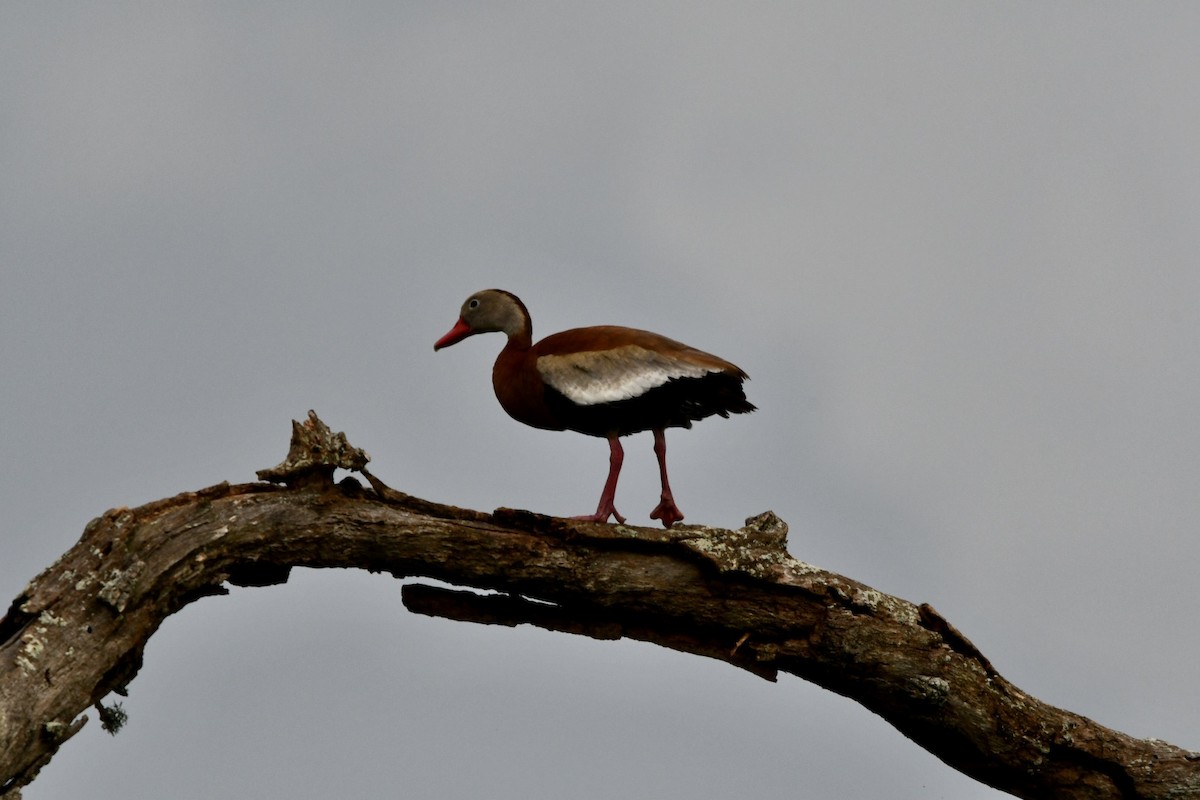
(473, 303)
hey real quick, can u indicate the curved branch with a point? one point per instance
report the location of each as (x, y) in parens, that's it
(77, 632)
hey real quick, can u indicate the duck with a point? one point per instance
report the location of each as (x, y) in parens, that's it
(606, 381)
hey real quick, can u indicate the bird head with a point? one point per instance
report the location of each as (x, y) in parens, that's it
(487, 311)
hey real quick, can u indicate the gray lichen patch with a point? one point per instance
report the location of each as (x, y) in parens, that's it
(930, 689)
(56, 730)
(50, 618)
(32, 646)
(867, 598)
(759, 549)
(902, 610)
(30, 652)
(881, 604)
(33, 643)
(117, 588)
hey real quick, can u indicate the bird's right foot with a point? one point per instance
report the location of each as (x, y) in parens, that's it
(667, 513)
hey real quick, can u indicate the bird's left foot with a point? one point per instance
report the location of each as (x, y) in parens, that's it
(667, 512)
(602, 514)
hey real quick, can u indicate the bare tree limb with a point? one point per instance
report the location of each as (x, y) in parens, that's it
(77, 632)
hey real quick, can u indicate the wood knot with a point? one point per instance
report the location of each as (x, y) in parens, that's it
(768, 530)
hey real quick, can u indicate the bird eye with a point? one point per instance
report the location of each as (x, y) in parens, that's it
(473, 303)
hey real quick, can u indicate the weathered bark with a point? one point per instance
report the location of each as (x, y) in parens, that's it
(77, 632)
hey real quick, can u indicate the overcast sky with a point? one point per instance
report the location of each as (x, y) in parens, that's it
(955, 245)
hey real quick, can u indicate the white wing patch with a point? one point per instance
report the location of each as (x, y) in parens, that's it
(607, 376)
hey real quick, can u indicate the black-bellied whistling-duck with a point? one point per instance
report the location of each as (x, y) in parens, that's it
(603, 381)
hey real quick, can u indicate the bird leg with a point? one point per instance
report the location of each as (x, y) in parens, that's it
(666, 510)
(606, 508)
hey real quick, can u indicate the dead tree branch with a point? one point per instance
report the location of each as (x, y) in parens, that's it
(77, 632)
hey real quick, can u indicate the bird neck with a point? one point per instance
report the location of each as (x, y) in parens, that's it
(520, 336)
(520, 339)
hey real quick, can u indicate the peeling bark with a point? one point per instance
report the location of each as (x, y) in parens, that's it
(77, 632)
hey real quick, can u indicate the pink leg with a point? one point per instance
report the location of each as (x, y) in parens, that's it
(616, 456)
(666, 510)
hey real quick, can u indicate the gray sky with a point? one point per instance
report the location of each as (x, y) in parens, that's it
(955, 245)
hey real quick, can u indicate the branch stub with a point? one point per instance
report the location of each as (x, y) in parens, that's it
(315, 452)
